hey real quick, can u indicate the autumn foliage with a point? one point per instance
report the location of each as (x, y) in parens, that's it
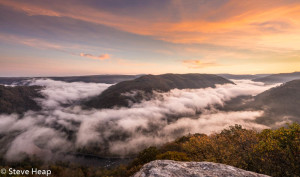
(271, 152)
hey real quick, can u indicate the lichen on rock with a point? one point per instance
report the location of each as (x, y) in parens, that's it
(169, 168)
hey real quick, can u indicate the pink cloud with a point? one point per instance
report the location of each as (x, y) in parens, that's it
(100, 57)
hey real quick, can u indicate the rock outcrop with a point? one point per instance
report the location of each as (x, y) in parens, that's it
(169, 168)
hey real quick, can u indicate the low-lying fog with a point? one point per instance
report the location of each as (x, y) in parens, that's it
(63, 127)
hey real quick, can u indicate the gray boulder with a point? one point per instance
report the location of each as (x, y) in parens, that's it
(170, 168)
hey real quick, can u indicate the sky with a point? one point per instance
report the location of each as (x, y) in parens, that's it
(75, 37)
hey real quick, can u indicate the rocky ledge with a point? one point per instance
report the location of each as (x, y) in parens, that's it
(169, 168)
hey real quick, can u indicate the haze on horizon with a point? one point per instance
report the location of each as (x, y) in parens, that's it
(60, 38)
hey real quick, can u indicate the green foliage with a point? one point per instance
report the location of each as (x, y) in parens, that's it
(146, 156)
(173, 155)
(280, 149)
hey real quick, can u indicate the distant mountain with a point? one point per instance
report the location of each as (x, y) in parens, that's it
(18, 99)
(12, 80)
(126, 92)
(242, 76)
(108, 79)
(279, 78)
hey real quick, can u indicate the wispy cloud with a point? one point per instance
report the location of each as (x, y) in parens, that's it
(32, 42)
(100, 57)
(234, 27)
(43, 44)
(196, 64)
(229, 23)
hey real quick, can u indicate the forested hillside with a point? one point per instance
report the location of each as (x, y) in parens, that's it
(18, 99)
(142, 88)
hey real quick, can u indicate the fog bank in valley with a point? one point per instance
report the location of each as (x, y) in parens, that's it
(63, 127)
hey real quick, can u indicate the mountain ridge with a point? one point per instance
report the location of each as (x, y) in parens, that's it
(278, 78)
(108, 79)
(145, 85)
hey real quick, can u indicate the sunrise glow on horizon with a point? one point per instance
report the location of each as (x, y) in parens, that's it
(73, 37)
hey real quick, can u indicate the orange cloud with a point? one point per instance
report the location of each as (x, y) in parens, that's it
(242, 24)
(100, 57)
(196, 64)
